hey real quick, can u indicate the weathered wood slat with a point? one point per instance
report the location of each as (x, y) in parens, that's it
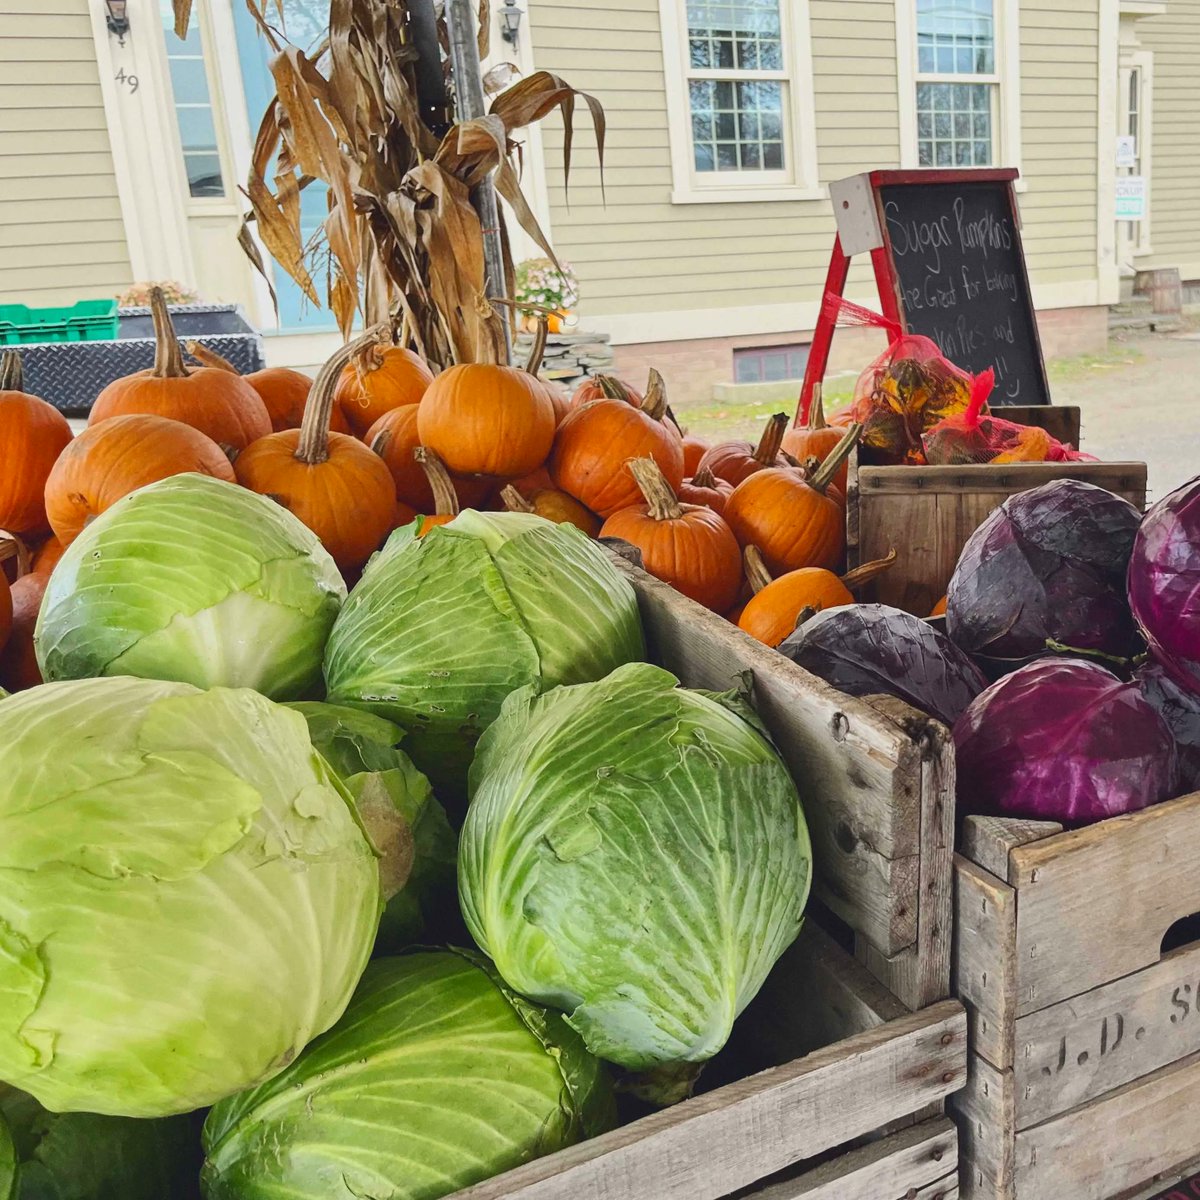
(985, 964)
(1007, 480)
(1075, 1051)
(712, 1145)
(893, 1168)
(985, 1112)
(988, 840)
(1115, 1143)
(1095, 902)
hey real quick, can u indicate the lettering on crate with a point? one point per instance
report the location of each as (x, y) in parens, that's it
(1099, 1041)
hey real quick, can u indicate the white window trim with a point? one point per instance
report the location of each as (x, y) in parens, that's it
(1143, 61)
(689, 186)
(1007, 77)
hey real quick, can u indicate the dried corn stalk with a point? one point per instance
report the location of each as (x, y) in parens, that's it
(401, 237)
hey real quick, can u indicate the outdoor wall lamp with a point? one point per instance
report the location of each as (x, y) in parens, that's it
(117, 18)
(510, 22)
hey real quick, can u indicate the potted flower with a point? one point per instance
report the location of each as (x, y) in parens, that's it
(540, 282)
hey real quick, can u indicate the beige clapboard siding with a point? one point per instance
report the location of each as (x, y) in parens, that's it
(60, 218)
(1174, 38)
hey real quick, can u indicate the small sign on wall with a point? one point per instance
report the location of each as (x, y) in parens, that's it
(1127, 151)
(1131, 198)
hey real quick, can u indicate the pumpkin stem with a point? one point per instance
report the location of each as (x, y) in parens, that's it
(12, 546)
(757, 574)
(445, 498)
(538, 349)
(816, 411)
(660, 499)
(771, 440)
(655, 403)
(823, 476)
(12, 372)
(168, 357)
(209, 358)
(704, 478)
(806, 613)
(868, 571)
(514, 501)
(313, 446)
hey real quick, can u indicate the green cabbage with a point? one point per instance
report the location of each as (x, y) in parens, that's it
(82, 1156)
(437, 1077)
(8, 1164)
(364, 750)
(186, 898)
(441, 629)
(636, 855)
(195, 580)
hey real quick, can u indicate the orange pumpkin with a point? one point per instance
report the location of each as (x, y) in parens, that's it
(596, 441)
(284, 391)
(555, 506)
(688, 546)
(778, 606)
(378, 380)
(535, 481)
(445, 501)
(32, 436)
(694, 449)
(815, 438)
(734, 461)
(330, 481)
(112, 459)
(18, 662)
(705, 488)
(394, 437)
(939, 609)
(791, 516)
(605, 387)
(9, 548)
(220, 404)
(486, 419)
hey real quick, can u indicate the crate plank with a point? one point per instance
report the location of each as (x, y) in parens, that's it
(988, 840)
(858, 772)
(893, 1168)
(985, 1110)
(1116, 1143)
(1095, 902)
(985, 961)
(1076, 1050)
(714, 1144)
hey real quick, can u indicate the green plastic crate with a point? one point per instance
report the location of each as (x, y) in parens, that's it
(85, 321)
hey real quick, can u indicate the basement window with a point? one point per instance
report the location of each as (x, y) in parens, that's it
(770, 364)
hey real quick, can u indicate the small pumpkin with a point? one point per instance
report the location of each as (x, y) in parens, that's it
(734, 461)
(596, 441)
(792, 517)
(705, 488)
(330, 481)
(694, 450)
(376, 381)
(284, 391)
(219, 404)
(815, 438)
(939, 609)
(394, 437)
(555, 506)
(605, 387)
(487, 419)
(445, 500)
(778, 605)
(32, 436)
(110, 460)
(688, 546)
(18, 662)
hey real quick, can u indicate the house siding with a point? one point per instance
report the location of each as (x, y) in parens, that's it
(1174, 38)
(61, 233)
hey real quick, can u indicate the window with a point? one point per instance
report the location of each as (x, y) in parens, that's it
(769, 364)
(740, 98)
(193, 108)
(956, 119)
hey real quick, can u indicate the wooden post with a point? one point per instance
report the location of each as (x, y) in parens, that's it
(469, 103)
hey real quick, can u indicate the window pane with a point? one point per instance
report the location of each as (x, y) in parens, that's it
(727, 156)
(954, 124)
(204, 174)
(955, 37)
(196, 129)
(770, 364)
(772, 156)
(193, 107)
(742, 34)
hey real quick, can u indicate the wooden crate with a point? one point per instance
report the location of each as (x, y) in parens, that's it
(928, 513)
(859, 1105)
(1085, 1033)
(877, 781)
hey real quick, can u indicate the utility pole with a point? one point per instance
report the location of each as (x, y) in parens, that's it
(467, 75)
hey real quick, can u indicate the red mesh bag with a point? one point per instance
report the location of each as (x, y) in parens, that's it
(906, 390)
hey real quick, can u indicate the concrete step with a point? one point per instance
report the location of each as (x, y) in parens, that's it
(1135, 306)
(1128, 324)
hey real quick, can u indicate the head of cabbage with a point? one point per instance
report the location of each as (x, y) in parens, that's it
(195, 580)
(186, 897)
(436, 1078)
(635, 854)
(440, 629)
(364, 752)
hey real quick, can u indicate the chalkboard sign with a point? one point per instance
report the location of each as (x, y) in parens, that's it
(960, 279)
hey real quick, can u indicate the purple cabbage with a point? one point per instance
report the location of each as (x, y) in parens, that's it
(1180, 709)
(1164, 583)
(1047, 566)
(1062, 740)
(872, 649)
